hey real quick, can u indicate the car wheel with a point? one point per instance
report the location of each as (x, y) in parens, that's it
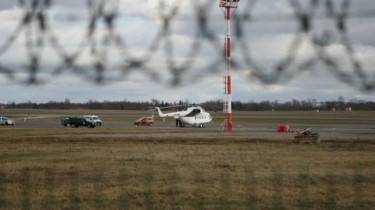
(6, 123)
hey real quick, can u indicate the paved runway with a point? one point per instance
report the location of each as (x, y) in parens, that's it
(242, 127)
(363, 124)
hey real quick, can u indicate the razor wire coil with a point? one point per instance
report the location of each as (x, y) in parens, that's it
(103, 34)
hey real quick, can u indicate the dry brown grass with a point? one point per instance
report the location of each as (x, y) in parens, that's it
(132, 173)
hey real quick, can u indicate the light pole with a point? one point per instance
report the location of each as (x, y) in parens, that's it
(228, 6)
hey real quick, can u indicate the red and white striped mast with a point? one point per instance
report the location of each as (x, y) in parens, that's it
(227, 6)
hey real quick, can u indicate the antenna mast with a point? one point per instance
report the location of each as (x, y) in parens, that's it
(228, 7)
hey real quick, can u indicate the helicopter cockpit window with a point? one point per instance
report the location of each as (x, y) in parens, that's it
(193, 113)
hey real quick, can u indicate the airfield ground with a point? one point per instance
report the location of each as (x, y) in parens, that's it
(117, 166)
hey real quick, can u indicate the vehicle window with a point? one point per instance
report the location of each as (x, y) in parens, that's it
(193, 113)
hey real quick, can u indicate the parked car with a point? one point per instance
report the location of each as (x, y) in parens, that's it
(94, 118)
(76, 122)
(145, 121)
(6, 121)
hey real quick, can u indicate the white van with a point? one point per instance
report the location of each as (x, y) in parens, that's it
(95, 119)
(6, 121)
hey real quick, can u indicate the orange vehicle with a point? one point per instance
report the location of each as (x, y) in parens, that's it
(149, 121)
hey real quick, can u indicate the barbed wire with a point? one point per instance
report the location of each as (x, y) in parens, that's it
(93, 59)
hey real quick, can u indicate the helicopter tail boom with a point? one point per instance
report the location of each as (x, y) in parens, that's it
(161, 113)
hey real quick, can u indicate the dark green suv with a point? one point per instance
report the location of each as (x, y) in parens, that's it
(75, 122)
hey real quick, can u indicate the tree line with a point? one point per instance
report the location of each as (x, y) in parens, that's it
(294, 105)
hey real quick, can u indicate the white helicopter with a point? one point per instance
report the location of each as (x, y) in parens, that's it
(195, 116)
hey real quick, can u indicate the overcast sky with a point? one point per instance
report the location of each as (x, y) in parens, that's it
(267, 38)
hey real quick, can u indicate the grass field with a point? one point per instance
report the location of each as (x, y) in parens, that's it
(44, 169)
(230, 174)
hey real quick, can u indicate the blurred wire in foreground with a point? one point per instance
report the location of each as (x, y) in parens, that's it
(93, 59)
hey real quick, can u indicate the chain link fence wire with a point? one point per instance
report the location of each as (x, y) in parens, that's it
(184, 41)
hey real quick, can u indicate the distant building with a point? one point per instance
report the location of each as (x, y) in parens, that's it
(348, 109)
